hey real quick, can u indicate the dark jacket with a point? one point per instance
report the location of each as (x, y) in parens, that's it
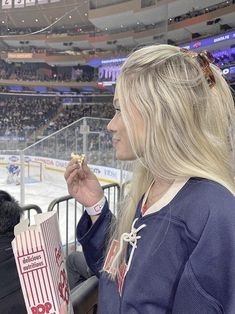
(184, 261)
(11, 297)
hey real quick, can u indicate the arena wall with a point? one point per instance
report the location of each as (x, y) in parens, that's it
(104, 174)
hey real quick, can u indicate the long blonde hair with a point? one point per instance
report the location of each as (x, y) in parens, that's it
(188, 126)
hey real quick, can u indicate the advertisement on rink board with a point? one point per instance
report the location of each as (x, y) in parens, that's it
(108, 174)
(41, 266)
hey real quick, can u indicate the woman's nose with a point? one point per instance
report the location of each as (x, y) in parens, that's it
(110, 126)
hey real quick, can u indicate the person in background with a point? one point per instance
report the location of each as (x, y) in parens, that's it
(77, 269)
(13, 174)
(172, 247)
(11, 297)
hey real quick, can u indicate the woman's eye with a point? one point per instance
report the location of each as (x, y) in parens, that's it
(117, 111)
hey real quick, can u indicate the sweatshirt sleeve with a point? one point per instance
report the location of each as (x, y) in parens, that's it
(93, 238)
(207, 284)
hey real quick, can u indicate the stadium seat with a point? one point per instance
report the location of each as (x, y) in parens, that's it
(84, 297)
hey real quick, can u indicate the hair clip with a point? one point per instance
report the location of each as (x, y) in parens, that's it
(204, 58)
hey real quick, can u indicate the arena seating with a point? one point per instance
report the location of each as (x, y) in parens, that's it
(85, 297)
(31, 114)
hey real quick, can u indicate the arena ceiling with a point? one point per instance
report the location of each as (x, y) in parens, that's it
(76, 12)
(78, 15)
(68, 13)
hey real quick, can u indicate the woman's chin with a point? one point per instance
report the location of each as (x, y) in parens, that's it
(120, 156)
(124, 157)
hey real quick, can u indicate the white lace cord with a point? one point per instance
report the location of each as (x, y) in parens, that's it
(132, 238)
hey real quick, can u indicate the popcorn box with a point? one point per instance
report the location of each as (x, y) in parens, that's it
(41, 265)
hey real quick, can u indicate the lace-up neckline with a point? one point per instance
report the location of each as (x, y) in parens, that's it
(132, 239)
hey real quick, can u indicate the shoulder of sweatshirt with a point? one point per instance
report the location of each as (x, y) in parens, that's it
(202, 203)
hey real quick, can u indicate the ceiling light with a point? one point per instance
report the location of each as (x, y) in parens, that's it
(106, 28)
(138, 23)
(36, 20)
(3, 22)
(70, 17)
(85, 14)
(121, 26)
(22, 21)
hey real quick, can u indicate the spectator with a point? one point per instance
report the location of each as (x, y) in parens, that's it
(172, 247)
(11, 297)
(77, 269)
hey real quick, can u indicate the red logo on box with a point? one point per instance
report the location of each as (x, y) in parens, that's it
(41, 308)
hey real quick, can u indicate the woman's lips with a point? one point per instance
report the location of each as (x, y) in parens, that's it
(115, 141)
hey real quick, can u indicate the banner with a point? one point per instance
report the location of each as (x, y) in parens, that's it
(29, 2)
(19, 4)
(209, 41)
(42, 1)
(6, 4)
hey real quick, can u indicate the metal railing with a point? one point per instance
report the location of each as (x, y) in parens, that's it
(31, 209)
(69, 212)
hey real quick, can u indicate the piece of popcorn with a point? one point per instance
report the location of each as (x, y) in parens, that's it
(79, 158)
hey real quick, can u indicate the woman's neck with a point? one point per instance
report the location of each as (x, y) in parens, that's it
(157, 191)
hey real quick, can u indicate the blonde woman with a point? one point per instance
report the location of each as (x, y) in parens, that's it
(172, 247)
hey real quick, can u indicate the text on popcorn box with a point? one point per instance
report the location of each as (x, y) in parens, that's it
(32, 261)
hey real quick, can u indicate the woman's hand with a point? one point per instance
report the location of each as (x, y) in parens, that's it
(82, 184)
(63, 308)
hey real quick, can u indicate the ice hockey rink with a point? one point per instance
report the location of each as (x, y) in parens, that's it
(39, 193)
(42, 194)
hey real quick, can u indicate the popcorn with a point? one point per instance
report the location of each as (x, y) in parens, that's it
(79, 158)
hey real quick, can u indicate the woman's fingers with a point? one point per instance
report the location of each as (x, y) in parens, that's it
(72, 177)
(72, 165)
(85, 167)
(75, 172)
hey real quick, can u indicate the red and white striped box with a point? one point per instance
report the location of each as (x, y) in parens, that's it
(41, 265)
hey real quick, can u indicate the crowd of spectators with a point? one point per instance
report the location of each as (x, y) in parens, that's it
(61, 137)
(223, 57)
(23, 115)
(44, 72)
(194, 12)
(71, 113)
(106, 72)
(42, 116)
(93, 140)
(46, 115)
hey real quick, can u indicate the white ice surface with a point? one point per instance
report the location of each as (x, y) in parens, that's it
(42, 194)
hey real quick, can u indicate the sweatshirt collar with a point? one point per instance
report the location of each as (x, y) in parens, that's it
(176, 186)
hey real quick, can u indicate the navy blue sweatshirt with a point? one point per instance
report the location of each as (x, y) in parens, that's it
(184, 262)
